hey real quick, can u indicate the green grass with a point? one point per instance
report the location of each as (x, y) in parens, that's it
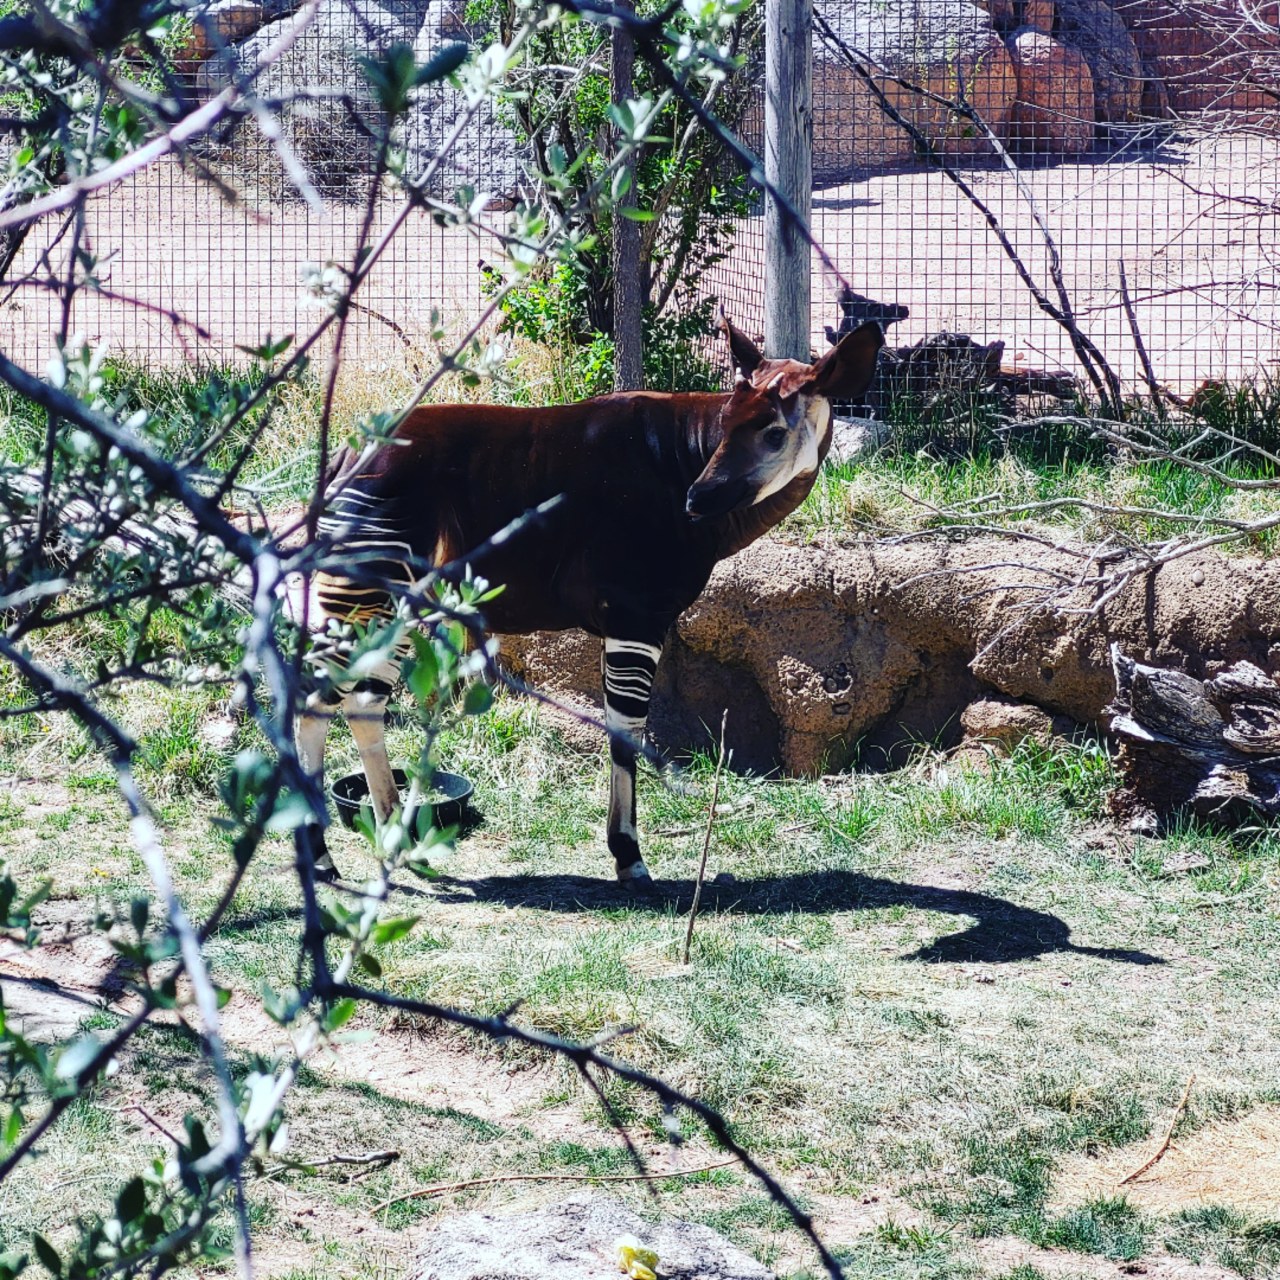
(843, 1060)
(1248, 1245)
(1112, 1228)
(923, 988)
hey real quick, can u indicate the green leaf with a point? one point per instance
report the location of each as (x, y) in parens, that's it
(370, 964)
(132, 1200)
(12, 1265)
(389, 930)
(291, 811)
(638, 215)
(12, 1129)
(422, 675)
(339, 1014)
(76, 1057)
(443, 63)
(477, 700)
(268, 350)
(138, 913)
(47, 1254)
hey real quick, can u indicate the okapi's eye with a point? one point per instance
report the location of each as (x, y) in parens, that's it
(775, 437)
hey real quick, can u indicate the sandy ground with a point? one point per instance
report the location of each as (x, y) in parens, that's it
(1201, 265)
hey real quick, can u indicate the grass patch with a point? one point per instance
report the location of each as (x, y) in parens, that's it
(1112, 1228)
(1219, 1233)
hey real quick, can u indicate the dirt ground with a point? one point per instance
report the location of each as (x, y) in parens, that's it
(1200, 264)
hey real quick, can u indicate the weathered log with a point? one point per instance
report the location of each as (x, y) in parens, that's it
(1206, 747)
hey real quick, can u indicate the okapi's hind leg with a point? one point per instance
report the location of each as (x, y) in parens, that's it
(312, 730)
(627, 669)
(365, 708)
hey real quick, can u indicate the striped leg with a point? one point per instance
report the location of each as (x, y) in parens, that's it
(312, 730)
(365, 708)
(627, 668)
(364, 703)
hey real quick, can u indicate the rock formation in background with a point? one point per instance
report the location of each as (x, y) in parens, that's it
(1052, 78)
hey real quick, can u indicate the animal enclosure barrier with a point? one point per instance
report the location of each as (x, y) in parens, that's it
(1132, 136)
(1135, 135)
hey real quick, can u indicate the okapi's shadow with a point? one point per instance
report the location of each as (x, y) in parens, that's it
(1003, 932)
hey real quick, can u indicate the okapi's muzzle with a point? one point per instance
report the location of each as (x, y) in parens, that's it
(716, 497)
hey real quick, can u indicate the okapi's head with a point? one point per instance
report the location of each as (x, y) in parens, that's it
(776, 425)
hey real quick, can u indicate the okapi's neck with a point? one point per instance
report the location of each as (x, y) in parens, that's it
(739, 529)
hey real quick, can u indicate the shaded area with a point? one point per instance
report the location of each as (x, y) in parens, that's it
(1003, 931)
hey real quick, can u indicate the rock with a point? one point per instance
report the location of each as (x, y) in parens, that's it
(338, 149)
(1007, 724)
(822, 656)
(1037, 14)
(1204, 55)
(218, 25)
(1003, 13)
(1092, 27)
(1054, 111)
(852, 437)
(574, 1240)
(486, 155)
(936, 44)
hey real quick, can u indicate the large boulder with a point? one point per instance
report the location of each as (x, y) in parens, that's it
(1053, 113)
(336, 139)
(574, 1240)
(822, 653)
(485, 154)
(1035, 13)
(1205, 53)
(946, 47)
(1094, 28)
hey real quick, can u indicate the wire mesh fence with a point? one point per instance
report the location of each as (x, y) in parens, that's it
(1088, 138)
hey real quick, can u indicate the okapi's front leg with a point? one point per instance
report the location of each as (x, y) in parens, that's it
(312, 730)
(627, 668)
(366, 708)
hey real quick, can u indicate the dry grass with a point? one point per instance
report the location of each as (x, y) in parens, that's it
(929, 1000)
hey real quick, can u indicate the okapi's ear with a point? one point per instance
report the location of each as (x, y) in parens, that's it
(845, 372)
(746, 358)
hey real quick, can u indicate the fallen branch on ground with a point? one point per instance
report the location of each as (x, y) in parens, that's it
(1168, 1137)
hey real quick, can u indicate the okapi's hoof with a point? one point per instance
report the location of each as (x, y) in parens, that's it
(636, 880)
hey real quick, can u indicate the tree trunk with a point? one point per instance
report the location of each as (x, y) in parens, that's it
(1206, 747)
(628, 298)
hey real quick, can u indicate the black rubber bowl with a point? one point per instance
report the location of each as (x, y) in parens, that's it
(449, 795)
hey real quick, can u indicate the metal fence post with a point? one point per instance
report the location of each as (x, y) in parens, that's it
(788, 165)
(628, 293)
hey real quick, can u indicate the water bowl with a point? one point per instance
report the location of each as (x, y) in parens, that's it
(448, 796)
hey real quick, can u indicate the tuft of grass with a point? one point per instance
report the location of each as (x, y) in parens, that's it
(1092, 1119)
(1248, 1246)
(1111, 1227)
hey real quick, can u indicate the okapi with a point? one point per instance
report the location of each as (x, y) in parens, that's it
(656, 489)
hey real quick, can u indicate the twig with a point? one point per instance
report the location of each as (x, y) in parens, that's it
(443, 1188)
(371, 1160)
(1148, 372)
(1168, 1137)
(154, 1123)
(706, 843)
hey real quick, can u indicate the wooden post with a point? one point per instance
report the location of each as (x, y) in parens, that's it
(788, 165)
(628, 294)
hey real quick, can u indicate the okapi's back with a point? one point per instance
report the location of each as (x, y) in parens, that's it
(456, 475)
